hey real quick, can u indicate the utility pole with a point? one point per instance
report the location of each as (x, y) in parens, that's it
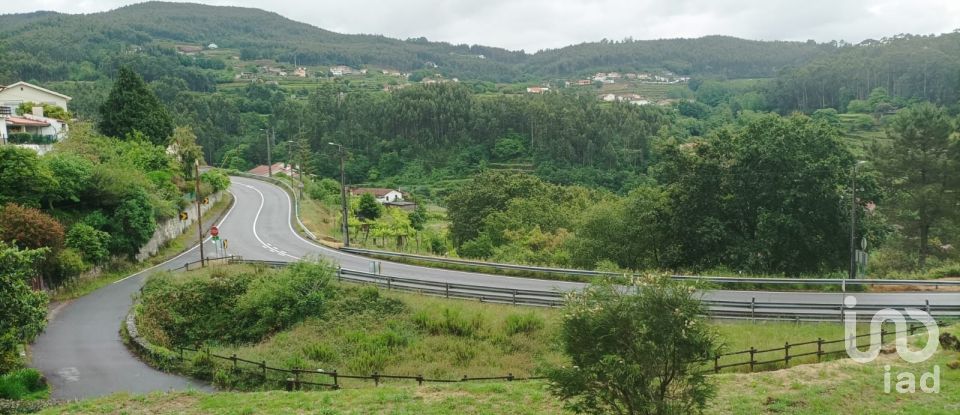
(853, 221)
(343, 197)
(269, 162)
(196, 166)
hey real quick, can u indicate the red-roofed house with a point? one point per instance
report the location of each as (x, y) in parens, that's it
(263, 170)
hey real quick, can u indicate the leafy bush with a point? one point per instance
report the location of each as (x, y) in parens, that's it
(324, 189)
(30, 228)
(132, 224)
(68, 264)
(437, 245)
(90, 242)
(449, 321)
(320, 353)
(23, 384)
(270, 304)
(217, 180)
(523, 323)
(634, 351)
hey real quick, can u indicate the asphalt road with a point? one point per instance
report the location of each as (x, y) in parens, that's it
(82, 355)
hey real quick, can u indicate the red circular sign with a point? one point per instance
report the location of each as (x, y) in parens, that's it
(214, 231)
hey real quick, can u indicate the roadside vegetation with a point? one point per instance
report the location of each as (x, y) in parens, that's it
(300, 317)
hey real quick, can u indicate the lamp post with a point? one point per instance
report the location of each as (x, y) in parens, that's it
(853, 221)
(343, 196)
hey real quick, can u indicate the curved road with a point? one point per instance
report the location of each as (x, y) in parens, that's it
(82, 355)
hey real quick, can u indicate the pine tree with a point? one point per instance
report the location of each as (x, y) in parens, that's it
(132, 106)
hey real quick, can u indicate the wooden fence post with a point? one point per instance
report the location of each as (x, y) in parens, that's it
(336, 385)
(786, 353)
(819, 349)
(296, 379)
(420, 380)
(716, 363)
(234, 359)
(376, 379)
(263, 369)
(753, 352)
(509, 377)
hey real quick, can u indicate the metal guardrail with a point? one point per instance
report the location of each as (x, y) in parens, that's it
(709, 279)
(746, 310)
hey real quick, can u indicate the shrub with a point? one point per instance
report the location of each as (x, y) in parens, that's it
(132, 224)
(323, 189)
(276, 301)
(30, 228)
(217, 180)
(523, 323)
(90, 242)
(68, 264)
(449, 321)
(437, 245)
(23, 384)
(634, 351)
(320, 353)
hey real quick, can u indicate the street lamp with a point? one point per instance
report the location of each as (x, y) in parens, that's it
(343, 196)
(853, 221)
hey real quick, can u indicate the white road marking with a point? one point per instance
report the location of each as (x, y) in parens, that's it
(69, 374)
(256, 219)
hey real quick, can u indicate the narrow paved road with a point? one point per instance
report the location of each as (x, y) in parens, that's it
(82, 355)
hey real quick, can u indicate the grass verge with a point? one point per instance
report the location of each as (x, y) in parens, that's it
(839, 387)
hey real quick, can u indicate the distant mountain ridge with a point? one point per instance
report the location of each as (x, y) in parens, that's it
(261, 34)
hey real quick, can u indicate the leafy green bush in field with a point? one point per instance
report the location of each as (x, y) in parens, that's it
(23, 384)
(449, 321)
(320, 353)
(271, 304)
(523, 323)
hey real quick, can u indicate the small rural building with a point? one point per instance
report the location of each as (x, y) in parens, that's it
(20, 92)
(403, 205)
(34, 129)
(382, 195)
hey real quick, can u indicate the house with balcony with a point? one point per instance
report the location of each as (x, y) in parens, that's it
(31, 127)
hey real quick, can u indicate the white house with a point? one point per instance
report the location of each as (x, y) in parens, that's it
(382, 195)
(20, 92)
(34, 123)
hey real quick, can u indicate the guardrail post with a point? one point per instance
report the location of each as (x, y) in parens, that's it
(514, 297)
(786, 354)
(819, 349)
(389, 283)
(753, 304)
(339, 273)
(753, 361)
(446, 287)
(928, 307)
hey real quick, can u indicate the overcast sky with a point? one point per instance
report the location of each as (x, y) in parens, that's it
(539, 24)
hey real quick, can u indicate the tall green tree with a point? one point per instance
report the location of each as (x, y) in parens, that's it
(368, 208)
(920, 168)
(24, 179)
(132, 106)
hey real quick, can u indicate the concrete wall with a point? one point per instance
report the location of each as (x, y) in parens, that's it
(174, 227)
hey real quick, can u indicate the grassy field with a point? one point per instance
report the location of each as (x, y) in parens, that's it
(839, 387)
(448, 339)
(79, 287)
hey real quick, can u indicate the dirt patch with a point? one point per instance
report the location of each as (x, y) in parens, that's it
(918, 288)
(432, 395)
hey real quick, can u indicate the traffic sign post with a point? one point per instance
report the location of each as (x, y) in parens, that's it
(214, 231)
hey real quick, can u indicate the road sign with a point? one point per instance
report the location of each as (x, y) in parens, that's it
(184, 215)
(214, 231)
(205, 201)
(216, 238)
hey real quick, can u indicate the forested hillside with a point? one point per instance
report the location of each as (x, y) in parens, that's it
(63, 46)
